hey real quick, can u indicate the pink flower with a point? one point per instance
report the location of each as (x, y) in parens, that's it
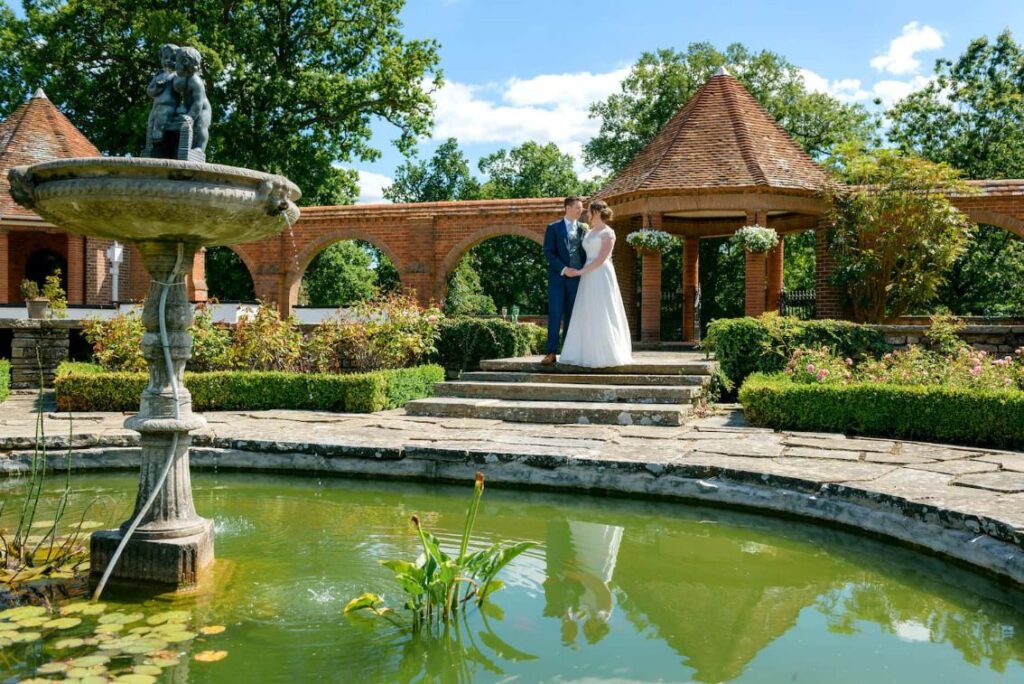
(976, 371)
(849, 361)
(810, 368)
(822, 374)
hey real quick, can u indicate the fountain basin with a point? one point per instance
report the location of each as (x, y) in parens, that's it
(166, 200)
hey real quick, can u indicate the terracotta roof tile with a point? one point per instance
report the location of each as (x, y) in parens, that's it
(36, 131)
(721, 139)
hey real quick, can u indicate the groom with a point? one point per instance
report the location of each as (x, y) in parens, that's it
(563, 249)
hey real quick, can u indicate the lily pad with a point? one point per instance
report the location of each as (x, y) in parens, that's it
(148, 645)
(136, 679)
(163, 659)
(91, 679)
(90, 661)
(75, 608)
(109, 628)
(8, 633)
(26, 637)
(169, 616)
(52, 668)
(151, 670)
(64, 644)
(63, 623)
(121, 618)
(83, 673)
(211, 656)
(33, 621)
(22, 612)
(212, 629)
(140, 630)
(178, 637)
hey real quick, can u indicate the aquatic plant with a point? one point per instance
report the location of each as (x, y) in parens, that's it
(439, 586)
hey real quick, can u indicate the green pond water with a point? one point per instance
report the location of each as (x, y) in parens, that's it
(616, 591)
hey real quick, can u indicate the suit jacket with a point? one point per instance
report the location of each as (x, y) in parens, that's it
(557, 249)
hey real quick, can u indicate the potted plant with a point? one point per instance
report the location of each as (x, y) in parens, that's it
(38, 306)
(55, 295)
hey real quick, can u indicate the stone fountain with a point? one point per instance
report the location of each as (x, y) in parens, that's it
(170, 204)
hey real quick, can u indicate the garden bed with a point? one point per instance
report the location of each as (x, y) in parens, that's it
(86, 387)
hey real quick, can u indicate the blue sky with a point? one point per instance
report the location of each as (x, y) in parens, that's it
(519, 70)
(528, 69)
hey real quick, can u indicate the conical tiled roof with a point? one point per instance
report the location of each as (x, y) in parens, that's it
(722, 139)
(36, 131)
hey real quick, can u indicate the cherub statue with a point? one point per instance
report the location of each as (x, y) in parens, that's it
(193, 106)
(165, 105)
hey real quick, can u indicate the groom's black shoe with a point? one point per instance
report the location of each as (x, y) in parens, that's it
(548, 360)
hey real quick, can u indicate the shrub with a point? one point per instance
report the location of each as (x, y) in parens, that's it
(955, 415)
(211, 342)
(393, 332)
(116, 342)
(464, 342)
(55, 294)
(252, 390)
(5, 379)
(747, 345)
(818, 365)
(266, 342)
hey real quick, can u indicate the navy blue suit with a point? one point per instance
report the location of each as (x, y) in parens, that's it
(561, 289)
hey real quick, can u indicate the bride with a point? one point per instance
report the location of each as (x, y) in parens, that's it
(598, 334)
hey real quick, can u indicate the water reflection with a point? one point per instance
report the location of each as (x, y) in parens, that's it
(580, 563)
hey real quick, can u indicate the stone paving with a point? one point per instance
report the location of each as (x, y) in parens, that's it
(964, 503)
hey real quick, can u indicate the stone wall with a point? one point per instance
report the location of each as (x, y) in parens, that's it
(997, 339)
(37, 344)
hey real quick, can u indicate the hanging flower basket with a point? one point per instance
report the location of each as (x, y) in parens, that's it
(655, 240)
(757, 239)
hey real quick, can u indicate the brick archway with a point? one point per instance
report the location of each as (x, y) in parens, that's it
(456, 253)
(302, 260)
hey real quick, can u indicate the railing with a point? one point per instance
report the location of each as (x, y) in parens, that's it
(801, 304)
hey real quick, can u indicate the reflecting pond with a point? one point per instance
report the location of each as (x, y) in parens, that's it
(616, 590)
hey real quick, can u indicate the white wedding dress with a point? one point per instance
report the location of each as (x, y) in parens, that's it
(598, 334)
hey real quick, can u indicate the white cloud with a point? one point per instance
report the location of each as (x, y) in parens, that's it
(891, 91)
(549, 108)
(845, 89)
(900, 57)
(371, 187)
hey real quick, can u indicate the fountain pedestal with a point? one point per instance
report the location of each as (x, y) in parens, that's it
(172, 544)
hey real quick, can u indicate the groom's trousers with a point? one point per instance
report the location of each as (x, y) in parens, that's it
(561, 297)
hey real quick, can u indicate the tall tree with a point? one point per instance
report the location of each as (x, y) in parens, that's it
(227, 277)
(445, 177)
(532, 170)
(295, 84)
(340, 275)
(662, 81)
(972, 117)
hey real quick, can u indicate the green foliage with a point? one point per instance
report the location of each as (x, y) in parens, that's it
(464, 342)
(438, 585)
(532, 170)
(445, 177)
(211, 342)
(466, 296)
(29, 289)
(294, 87)
(972, 117)
(391, 333)
(657, 240)
(341, 275)
(662, 81)
(55, 295)
(748, 345)
(722, 265)
(5, 379)
(943, 334)
(227, 277)
(265, 341)
(757, 239)
(800, 260)
(894, 240)
(953, 415)
(116, 342)
(253, 390)
(512, 272)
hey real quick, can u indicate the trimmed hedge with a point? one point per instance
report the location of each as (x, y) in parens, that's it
(5, 379)
(464, 342)
(931, 413)
(253, 390)
(764, 345)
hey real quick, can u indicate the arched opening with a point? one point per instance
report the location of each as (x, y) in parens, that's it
(227, 276)
(987, 279)
(43, 263)
(346, 272)
(498, 273)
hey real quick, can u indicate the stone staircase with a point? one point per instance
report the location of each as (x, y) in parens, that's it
(658, 388)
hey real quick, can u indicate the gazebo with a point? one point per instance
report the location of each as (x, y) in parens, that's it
(722, 162)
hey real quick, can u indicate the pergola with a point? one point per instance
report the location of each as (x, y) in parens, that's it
(722, 162)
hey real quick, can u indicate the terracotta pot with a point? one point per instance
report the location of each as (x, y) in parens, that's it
(38, 308)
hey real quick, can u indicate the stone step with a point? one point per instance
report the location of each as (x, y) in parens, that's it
(539, 391)
(644, 363)
(580, 379)
(551, 411)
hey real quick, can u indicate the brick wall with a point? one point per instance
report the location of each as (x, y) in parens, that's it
(829, 298)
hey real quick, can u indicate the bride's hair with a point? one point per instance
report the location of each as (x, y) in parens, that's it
(599, 208)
